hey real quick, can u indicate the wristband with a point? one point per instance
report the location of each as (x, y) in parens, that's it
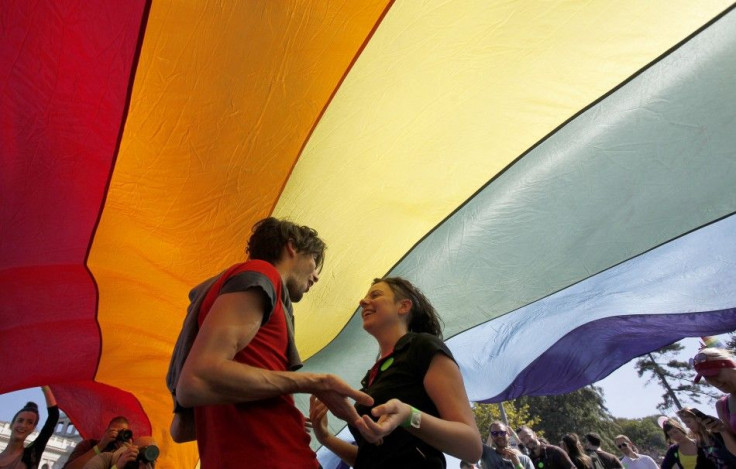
(519, 466)
(113, 467)
(413, 420)
(97, 449)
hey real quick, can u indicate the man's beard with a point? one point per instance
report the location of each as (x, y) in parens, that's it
(295, 293)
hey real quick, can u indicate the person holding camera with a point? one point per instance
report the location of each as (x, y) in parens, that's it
(139, 454)
(684, 451)
(714, 444)
(87, 449)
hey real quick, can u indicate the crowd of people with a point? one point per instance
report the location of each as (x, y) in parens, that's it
(232, 376)
(695, 441)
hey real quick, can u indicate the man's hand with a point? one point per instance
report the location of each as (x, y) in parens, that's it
(510, 454)
(334, 393)
(107, 438)
(125, 454)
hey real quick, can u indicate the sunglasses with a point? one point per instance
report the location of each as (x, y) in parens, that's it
(699, 358)
(498, 433)
(622, 445)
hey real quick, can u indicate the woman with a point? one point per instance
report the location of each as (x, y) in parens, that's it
(420, 406)
(571, 444)
(15, 456)
(713, 444)
(684, 452)
(718, 367)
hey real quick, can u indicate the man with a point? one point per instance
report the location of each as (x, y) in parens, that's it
(127, 456)
(631, 459)
(238, 376)
(544, 455)
(501, 456)
(593, 448)
(87, 449)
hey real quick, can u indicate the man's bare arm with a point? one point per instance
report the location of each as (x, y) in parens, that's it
(212, 376)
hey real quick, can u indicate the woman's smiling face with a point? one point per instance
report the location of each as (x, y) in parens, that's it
(380, 307)
(24, 424)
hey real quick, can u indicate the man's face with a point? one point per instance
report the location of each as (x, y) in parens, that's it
(115, 427)
(529, 439)
(500, 436)
(303, 275)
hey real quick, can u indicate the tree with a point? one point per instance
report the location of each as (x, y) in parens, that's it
(675, 376)
(517, 415)
(581, 411)
(731, 344)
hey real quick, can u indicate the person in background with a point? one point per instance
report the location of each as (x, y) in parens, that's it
(421, 406)
(571, 444)
(684, 452)
(87, 449)
(498, 453)
(715, 444)
(549, 456)
(632, 459)
(592, 445)
(15, 455)
(467, 465)
(140, 453)
(718, 367)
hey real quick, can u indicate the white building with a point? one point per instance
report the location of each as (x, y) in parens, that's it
(60, 445)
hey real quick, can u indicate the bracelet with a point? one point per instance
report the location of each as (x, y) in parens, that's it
(519, 466)
(113, 467)
(413, 420)
(97, 449)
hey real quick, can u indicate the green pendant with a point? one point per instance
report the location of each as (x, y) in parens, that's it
(387, 363)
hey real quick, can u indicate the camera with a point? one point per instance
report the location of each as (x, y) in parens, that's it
(701, 415)
(124, 435)
(146, 454)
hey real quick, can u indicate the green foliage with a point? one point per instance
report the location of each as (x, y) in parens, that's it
(580, 412)
(646, 435)
(667, 370)
(731, 344)
(517, 414)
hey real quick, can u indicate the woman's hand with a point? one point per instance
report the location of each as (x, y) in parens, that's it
(714, 425)
(390, 415)
(318, 419)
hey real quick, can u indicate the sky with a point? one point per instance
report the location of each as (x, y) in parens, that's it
(618, 388)
(622, 384)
